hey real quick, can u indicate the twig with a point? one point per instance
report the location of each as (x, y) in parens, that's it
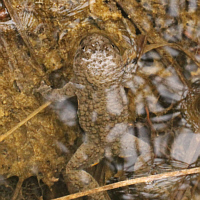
(131, 182)
(35, 112)
(18, 188)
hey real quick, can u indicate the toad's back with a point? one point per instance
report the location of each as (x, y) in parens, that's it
(100, 110)
(102, 100)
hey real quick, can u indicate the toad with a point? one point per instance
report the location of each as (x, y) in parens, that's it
(102, 110)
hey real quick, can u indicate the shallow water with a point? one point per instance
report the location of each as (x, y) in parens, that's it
(38, 42)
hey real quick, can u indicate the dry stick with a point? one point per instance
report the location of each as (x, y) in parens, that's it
(131, 182)
(18, 188)
(35, 112)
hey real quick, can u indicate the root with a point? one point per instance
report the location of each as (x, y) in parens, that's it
(18, 188)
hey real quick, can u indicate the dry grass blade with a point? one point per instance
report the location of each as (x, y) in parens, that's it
(2, 137)
(131, 182)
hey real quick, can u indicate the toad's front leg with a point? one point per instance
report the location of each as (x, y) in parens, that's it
(77, 179)
(57, 94)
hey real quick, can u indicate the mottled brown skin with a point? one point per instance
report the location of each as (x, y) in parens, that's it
(101, 99)
(102, 110)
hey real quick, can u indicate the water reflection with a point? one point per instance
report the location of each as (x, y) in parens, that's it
(171, 122)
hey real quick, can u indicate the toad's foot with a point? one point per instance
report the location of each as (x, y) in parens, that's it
(79, 180)
(133, 146)
(134, 150)
(56, 94)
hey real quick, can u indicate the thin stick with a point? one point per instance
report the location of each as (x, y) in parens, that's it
(35, 112)
(18, 188)
(131, 182)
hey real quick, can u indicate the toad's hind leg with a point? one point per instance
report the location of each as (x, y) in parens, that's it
(79, 180)
(131, 149)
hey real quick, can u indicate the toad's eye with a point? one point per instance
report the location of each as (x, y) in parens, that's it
(113, 46)
(106, 48)
(83, 48)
